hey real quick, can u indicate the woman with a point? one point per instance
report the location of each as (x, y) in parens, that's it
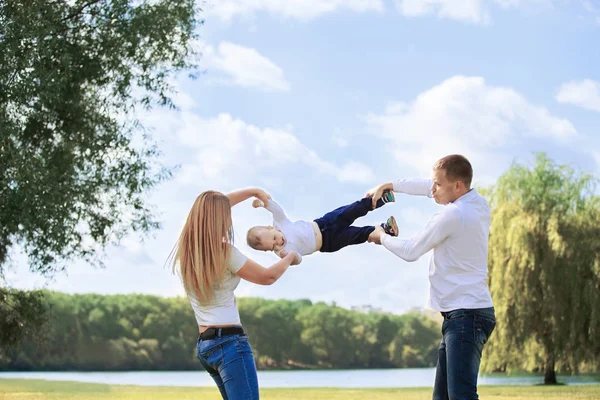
(211, 268)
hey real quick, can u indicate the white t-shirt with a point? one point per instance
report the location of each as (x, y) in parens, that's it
(458, 235)
(222, 309)
(299, 235)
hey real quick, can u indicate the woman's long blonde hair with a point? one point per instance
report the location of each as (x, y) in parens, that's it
(202, 251)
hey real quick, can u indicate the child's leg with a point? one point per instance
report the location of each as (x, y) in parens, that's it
(335, 239)
(345, 215)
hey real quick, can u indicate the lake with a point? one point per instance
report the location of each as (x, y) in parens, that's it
(361, 378)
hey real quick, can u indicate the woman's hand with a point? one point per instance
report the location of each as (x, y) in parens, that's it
(257, 203)
(262, 196)
(292, 255)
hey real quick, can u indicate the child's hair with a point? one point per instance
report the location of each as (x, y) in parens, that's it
(202, 251)
(253, 237)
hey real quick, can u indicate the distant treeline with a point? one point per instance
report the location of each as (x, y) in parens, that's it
(142, 332)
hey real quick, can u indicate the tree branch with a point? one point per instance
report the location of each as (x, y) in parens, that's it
(80, 9)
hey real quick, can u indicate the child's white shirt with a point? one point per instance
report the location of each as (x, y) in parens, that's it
(299, 235)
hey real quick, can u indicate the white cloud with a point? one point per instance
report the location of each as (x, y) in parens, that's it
(522, 3)
(340, 141)
(297, 9)
(585, 94)
(223, 153)
(592, 10)
(589, 7)
(465, 115)
(596, 156)
(243, 66)
(470, 11)
(222, 150)
(465, 10)
(229, 147)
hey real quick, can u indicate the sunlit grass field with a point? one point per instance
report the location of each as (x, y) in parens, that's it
(25, 389)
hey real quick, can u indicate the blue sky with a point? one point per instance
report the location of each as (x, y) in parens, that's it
(319, 100)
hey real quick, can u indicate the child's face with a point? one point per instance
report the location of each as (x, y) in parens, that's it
(271, 239)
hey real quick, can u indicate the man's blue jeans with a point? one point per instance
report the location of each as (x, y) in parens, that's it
(464, 333)
(229, 361)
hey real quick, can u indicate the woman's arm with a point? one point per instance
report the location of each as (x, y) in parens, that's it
(253, 272)
(240, 195)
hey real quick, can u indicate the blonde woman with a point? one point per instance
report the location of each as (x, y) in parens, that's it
(211, 268)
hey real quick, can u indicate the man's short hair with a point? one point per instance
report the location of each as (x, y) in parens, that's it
(457, 168)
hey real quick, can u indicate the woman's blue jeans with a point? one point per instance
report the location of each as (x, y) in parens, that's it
(229, 361)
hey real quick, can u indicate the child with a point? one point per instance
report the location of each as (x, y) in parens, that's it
(327, 234)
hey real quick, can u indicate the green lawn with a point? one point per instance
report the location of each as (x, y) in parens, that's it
(26, 389)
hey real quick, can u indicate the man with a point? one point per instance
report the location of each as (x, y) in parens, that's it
(458, 235)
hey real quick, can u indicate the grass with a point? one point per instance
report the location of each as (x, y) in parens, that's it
(26, 389)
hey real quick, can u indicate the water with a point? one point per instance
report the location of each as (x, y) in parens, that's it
(361, 378)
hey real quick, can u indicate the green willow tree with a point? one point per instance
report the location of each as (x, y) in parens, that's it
(76, 164)
(544, 266)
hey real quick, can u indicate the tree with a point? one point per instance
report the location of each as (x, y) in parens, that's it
(75, 162)
(72, 74)
(544, 266)
(21, 313)
(91, 332)
(416, 342)
(329, 331)
(277, 332)
(385, 330)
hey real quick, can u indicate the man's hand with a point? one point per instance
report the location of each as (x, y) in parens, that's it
(376, 193)
(376, 235)
(262, 196)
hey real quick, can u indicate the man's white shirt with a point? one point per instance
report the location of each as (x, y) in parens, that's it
(458, 235)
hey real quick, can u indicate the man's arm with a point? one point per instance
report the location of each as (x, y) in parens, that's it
(439, 228)
(416, 187)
